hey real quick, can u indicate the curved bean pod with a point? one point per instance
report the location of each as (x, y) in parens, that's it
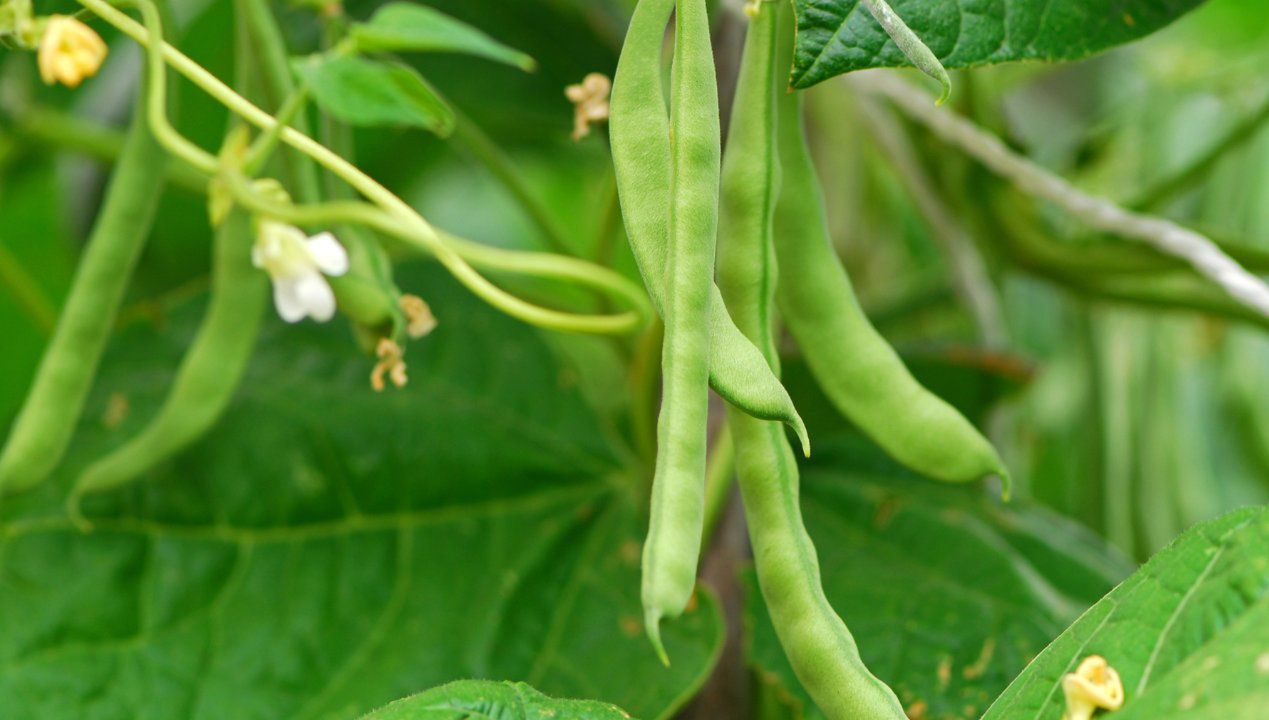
(640, 132)
(673, 546)
(210, 372)
(816, 640)
(53, 407)
(857, 369)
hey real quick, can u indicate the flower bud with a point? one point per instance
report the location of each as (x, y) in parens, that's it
(69, 52)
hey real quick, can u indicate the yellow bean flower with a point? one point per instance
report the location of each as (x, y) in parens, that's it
(70, 51)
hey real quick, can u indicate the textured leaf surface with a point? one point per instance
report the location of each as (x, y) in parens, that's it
(365, 93)
(405, 27)
(840, 36)
(328, 550)
(474, 699)
(949, 593)
(1188, 633)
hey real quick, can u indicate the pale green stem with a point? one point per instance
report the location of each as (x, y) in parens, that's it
(417, 229)
(520, 262)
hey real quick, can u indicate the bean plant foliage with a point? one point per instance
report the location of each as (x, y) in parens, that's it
(964, 455)
(840, 36)
(265, 575)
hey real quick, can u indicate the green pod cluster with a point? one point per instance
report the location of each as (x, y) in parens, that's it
(817, 642)
(858, 370)
(210, 371)
(673, 546)
(44, 427)
(641, 154)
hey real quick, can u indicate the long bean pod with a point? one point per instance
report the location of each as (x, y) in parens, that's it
(210, 371)
(53, 407)
(673, 546)
(858, 370)
(640, 131)
(816, 640)
(216, 360)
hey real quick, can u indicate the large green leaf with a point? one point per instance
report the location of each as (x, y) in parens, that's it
(405, 27)
(477, 699)
(363, 93)
(1188, 633)
(328, 550)
(949, 593)
(840, 36)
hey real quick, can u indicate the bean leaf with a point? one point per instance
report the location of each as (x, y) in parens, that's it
(405, 27)
(486, 699)
(364, 92)
(1188, 633)
(327, 550)
(839, 36)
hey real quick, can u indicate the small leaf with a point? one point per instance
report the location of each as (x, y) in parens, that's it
(369, 93)
(835, 36)
(487, 699)
(1188, 633)
(405, 27)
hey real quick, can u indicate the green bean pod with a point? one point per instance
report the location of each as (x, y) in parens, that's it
(858, 370)
(640, 132)
(44, 427)
(911, 45)
(673, 546)
(817, 642)
(210, 371)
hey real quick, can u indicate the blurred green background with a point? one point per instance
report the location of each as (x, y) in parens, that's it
(1133, 418)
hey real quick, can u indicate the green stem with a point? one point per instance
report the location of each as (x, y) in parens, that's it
(409, 223)
(278, 86)
(520, 262)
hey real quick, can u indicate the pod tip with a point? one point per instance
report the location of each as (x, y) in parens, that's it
(652, 624)
(1006, 483)
(804, 437)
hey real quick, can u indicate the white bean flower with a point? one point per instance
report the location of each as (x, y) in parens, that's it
(298, 265)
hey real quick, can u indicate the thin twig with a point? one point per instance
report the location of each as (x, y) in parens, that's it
(1164, 235)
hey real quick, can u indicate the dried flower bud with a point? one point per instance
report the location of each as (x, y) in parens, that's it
(418, 316)
(590, 101)
(70, 51)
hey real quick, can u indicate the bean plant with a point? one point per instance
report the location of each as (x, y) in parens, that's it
(769, 359)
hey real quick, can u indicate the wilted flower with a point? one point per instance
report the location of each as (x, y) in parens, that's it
(419, 320)
(69, 52)
(1093, 686)
(298, 264)
(590, 101)
(391, 364)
